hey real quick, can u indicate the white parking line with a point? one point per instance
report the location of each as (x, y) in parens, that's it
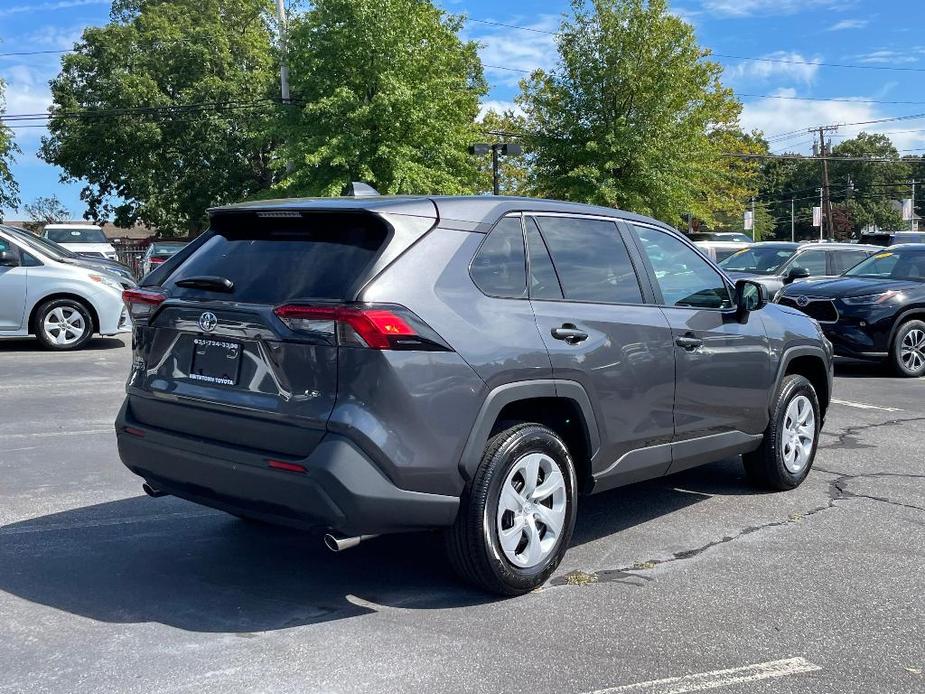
(67, 432)
(717, 678)
(102, 523)
(865, 406)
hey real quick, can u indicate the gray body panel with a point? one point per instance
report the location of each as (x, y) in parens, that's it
(381, 430)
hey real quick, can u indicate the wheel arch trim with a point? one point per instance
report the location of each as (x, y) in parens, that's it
(787, 357)
(501, 396)
(917, 313)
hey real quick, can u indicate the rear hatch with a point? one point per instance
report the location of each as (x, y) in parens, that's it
(218, 355)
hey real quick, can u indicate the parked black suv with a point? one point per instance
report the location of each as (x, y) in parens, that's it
(875, 311)
(388, 364)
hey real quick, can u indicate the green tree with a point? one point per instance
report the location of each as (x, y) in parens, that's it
(163, 112)
(9, 191)
(636, 117)
(45, 210)
(387, 93)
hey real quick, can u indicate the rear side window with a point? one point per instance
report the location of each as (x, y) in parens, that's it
(845, 260)
(544, 284)
(272, 261)
(591, 260)
(499, 268)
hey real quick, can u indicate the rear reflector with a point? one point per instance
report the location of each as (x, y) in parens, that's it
(132, 431)
(288, 467)
(361, 326)
(141, 303)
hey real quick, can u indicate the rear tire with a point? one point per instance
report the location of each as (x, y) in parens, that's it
(907, 353)
(788, 449)
(63, 324)
(516, 517)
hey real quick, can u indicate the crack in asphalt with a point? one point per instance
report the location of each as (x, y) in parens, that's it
(848, 438)
(837, 491)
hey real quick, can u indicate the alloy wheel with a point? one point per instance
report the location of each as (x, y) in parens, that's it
(531, 510)
(798, 434)
(64, 325)
(912, 350)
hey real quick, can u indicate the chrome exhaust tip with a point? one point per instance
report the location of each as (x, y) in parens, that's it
(152, 492)
(336, 543)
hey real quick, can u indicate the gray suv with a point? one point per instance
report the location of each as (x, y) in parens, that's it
(378, 365)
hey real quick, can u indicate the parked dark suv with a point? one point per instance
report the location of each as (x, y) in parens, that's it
(874, 311)
(379, 365)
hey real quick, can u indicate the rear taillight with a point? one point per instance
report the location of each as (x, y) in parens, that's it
(155, 260)
(373, 327)
(141, 303)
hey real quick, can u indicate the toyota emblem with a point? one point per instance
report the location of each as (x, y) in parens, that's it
(801, 302)
(208, 321)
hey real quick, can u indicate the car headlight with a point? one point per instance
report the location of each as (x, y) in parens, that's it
(870, 299)
(107, 281)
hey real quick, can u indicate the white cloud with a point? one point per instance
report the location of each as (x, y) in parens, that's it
(790, 65)
(509, 55)
(776, 116)
(849, 24)
(498, 106)
(886, 56)
(750, 8)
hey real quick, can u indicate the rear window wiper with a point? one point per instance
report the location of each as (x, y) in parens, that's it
(210, 283)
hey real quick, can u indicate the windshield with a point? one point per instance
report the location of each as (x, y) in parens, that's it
(761, 261)
(895, 265)
(76, 235)
(49, 248)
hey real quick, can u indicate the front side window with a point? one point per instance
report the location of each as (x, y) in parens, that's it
(684, 277)
(500, 267)
(591, 260)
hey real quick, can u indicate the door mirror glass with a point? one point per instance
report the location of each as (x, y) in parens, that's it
(8, 259)
(750, 296)
(797, 273)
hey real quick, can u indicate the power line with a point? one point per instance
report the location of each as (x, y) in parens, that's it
(846, 100)
(794, 61)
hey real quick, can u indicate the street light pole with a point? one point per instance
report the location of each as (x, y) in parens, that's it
(497, 150)
(283, 51)
(793, 223)
(495, 170)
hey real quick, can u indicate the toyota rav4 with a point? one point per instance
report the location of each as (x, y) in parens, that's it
(385, 364)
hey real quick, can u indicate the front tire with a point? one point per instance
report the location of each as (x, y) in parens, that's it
(788, 449)
(908, 349)
(63, 324)
(516, 517)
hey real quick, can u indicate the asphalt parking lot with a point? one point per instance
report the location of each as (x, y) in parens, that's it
(687, 583)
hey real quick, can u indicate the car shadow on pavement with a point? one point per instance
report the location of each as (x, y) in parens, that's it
(29, 344)
(172, 562)
(853, 368)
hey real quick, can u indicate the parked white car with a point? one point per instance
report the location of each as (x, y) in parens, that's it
(718, 251)
(84, 239)
(62, 304)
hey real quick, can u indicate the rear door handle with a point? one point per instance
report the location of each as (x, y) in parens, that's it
(689, 342)
(570, 334)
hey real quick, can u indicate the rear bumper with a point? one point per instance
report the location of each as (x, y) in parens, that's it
(341, 489)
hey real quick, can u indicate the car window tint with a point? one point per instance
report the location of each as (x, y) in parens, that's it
(499, 268)
(813, 261)
(684, 277)
(544, 284)
(845, 260)
(591, 260)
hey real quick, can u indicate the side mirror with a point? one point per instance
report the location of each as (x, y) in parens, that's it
(797, 273)
(750, 296)
(8, 259)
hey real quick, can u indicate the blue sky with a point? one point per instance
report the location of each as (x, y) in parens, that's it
(778, 96)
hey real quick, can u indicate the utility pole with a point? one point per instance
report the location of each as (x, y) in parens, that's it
(283, 51)
(826, 201)
(754, 229)
(912, 224)
(793, 222)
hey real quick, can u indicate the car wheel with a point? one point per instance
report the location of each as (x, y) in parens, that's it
(788, 449)
(516, 517)
(908, 350)
(63, 324)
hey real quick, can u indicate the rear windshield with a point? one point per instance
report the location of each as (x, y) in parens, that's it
(272, 261)
(76, 235)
